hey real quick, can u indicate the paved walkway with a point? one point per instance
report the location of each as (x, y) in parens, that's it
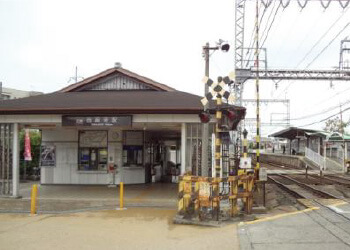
(322, 226)
(59, 198)
(134, 228)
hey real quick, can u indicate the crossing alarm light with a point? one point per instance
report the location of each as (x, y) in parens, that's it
(223, 45)
(204, 117)
(231, 115)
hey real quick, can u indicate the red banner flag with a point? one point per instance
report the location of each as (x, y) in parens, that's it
(27, 148)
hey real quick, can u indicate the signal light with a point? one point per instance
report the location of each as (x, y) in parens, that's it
(204, 117)
(231, 115)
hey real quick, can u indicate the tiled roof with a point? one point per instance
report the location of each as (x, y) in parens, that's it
(102, 102)
(149, 82)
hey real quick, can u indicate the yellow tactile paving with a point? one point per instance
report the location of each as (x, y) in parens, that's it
(278, 216)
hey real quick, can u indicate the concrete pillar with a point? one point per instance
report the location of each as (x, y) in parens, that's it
(345, 155)
(183, 149)
(346, 151)
(325, 154)
(319, 142)
(15, 161)
(204, 153)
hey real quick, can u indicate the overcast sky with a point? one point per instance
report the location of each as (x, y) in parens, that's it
(41, 42)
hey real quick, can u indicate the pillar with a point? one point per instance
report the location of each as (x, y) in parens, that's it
(345, 155)
(183, 149)
(15, 161)
(204, 153)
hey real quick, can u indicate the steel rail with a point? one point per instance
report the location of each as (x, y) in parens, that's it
(306, 187)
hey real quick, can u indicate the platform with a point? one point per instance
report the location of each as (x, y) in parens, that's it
(323, 225)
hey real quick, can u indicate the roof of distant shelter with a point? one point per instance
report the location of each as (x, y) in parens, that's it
(336, 136)
(292, 133)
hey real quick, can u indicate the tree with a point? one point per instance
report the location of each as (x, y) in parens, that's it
(335, 125)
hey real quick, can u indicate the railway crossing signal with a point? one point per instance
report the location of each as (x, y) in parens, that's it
(204, 116)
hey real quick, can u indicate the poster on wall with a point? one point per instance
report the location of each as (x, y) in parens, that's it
(48, 156)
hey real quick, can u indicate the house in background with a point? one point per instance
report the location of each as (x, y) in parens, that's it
(9, 93)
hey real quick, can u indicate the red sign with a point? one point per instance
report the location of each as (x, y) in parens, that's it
(27, 148)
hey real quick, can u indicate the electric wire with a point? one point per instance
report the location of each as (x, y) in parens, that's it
(249, 51)
(321, 38)
(326, 47)
(330, 98)
(268, 20)
(325, 119)
(273, 20)
(309, 52)
(319, 113)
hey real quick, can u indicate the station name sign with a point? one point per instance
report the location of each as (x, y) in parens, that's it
(96, 120)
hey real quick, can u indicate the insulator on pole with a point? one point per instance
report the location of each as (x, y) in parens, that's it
(325, 5)
(266, 3)
(285, 3)
(344, 5)
(301, 4)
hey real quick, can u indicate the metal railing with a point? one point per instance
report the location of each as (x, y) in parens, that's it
(315, 157)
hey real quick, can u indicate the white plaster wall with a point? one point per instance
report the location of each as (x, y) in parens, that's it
(66, 169)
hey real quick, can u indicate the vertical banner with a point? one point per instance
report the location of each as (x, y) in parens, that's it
(27, 148)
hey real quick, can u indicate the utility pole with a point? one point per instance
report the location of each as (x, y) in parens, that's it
(257, 51)
(223, 46)
(205, 127)
(342, 132)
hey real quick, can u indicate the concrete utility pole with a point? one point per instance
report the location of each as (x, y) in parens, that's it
(223, 46)
(342, 132)
(205, 126)
(257, 51)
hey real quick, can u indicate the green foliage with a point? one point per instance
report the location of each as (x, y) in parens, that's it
(335, 125)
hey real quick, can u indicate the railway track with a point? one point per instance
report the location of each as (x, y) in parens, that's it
(280, 166)
(331, 179)
(299, 189)
(340, 178)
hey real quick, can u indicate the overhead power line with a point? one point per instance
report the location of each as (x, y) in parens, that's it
(319, 113)
(273, 20)
(321, 38)
(325, 119)
(318, 41)
(249, 51)
(326, 47)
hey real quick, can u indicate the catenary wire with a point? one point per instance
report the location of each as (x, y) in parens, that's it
(331, 26)
(325, 119)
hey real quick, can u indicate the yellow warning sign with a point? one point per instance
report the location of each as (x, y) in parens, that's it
(187, 187)
(204, 190)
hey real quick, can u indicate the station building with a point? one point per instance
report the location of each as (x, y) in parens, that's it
(116, 121)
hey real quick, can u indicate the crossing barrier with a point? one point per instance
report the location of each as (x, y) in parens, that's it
(213, 198)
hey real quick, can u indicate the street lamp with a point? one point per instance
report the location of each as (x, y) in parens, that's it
(224, 47)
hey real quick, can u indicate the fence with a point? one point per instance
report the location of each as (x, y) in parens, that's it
(6, 134)
(336, 153)
(315, 157)
(207, 198)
